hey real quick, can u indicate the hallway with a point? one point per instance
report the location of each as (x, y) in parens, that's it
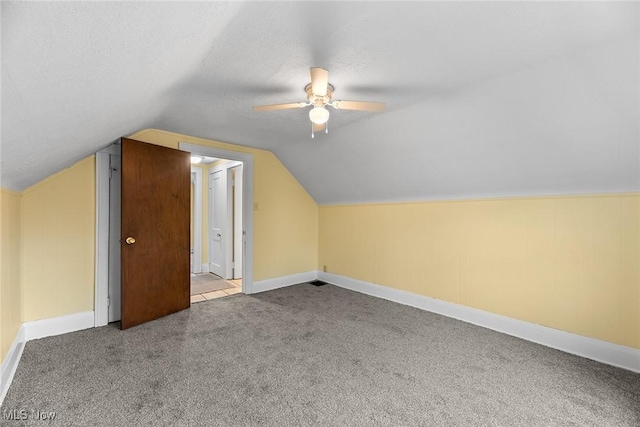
(206, 286)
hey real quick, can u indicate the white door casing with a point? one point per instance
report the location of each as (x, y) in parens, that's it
(237, 222)
(114, 237)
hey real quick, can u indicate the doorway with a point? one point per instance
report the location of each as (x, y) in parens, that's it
(225, 219)
(107, 279)
(217, 213)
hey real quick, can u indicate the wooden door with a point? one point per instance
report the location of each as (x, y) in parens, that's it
(155, 237)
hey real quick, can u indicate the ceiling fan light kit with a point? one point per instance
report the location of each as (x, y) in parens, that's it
(319, 94)
(319, 115)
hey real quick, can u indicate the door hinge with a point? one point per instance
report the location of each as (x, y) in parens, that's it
(108, 300)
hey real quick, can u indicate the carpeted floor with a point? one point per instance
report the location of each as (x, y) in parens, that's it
(313, 356)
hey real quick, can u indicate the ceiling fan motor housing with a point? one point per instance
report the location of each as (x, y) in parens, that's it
(318, 100)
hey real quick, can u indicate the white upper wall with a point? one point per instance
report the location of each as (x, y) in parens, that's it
(483, 98)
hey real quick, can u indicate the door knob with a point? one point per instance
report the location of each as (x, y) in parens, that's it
(130, 240)
(219, 235)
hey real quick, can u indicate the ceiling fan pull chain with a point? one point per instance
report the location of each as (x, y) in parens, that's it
(312, 136)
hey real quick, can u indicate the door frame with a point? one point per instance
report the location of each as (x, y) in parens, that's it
(247, 203)
(101, 294)
(101, 301)
(197, 220)
(115, 249)
(236, 187)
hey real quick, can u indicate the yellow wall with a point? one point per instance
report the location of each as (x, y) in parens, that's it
(570, 263)
(285, 226)
(57, 233)
(58, 243)
(10, 298)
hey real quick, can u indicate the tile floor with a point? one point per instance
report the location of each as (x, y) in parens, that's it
(206, 286)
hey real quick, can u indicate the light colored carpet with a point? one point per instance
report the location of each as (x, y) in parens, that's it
(309, 356)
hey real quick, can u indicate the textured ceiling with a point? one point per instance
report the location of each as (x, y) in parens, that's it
(483, 98)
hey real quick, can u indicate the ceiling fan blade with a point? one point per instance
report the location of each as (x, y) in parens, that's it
(279, 106)
(319, 81)
(319, 127)
(359, 105)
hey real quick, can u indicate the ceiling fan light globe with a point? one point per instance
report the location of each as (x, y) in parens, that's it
(319, 115)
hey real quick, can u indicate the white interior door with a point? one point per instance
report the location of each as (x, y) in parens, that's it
(217, 221)
(114, 237)
(237, 222)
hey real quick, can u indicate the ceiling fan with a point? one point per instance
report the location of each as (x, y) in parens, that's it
(319, 94)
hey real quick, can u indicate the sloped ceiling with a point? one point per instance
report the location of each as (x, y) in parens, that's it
(483, 98)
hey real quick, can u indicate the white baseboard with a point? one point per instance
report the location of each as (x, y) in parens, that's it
(590, 348)
(39, 329)
(281, 282)
(205, 268)
(10, 363)
(58, 325)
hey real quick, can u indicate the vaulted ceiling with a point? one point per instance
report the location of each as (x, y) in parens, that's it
(483, 98)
